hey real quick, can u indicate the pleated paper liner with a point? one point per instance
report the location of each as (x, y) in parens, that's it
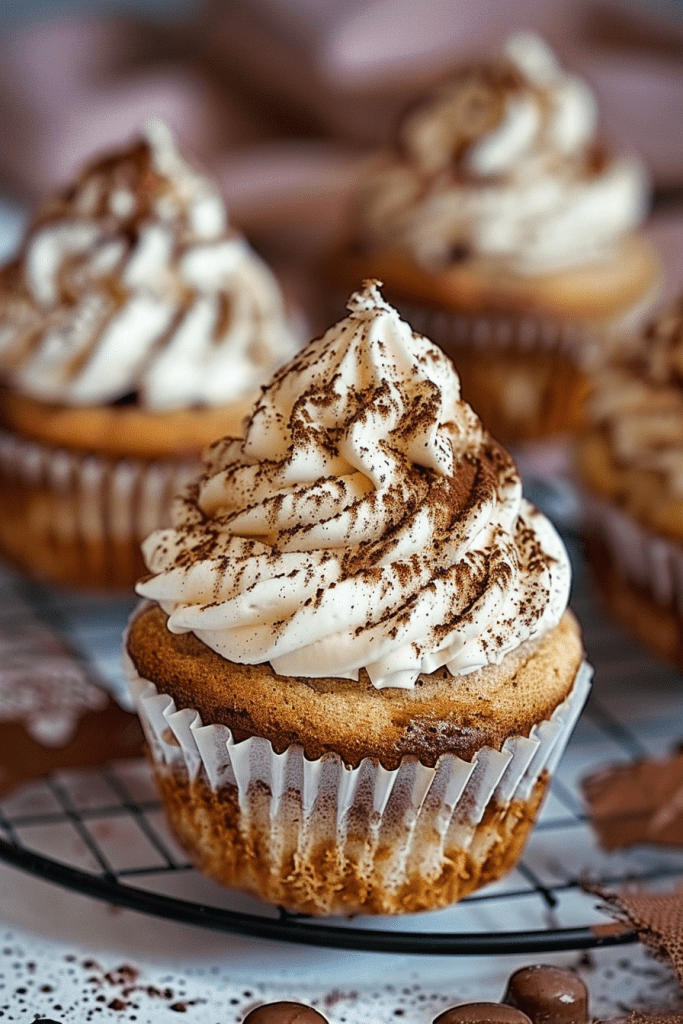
(319, 837)
(79, 519)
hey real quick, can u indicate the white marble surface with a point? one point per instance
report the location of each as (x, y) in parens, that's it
(74, 943)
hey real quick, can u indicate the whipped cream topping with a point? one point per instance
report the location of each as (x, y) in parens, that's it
(638, 400)
(132, 283)
(502, 163)
(365, 520)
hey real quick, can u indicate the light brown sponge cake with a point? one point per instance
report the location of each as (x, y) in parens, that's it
(64, 524)
(121, 431)
(258, 856)
(579, 295)
(355, 722)
(352, 718)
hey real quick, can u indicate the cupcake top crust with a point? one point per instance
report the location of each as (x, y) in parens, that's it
(365, 520)
(131, 286)
(502, 164)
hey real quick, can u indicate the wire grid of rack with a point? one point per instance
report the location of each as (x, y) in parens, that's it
(102, 831)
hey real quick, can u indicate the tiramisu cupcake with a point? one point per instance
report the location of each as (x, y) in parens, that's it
(506, 232)
(135, 328)
(355, 668)
(630, 462)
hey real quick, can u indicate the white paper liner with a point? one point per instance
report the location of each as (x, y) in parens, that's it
(639, 555)
(433, 810)
(97, 498)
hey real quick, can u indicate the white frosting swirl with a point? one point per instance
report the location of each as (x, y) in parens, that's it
(132, 283)
(365, 520)
(502, 163)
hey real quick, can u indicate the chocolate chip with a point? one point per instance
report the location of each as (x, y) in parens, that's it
(459, 252)
(130, 398)
(597, 157)
(549, 995)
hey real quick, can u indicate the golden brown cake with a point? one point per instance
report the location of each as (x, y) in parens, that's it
(504, 230)
(135, 328)
(355, 669)
(630, 463)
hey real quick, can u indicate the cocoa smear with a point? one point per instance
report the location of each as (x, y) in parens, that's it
(121, 988)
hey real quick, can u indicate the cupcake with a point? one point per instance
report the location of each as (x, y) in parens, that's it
(135, 328)
(354, 666)
(506, 232)
(630, 465)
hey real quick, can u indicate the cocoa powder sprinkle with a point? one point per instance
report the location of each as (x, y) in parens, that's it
(374, 488)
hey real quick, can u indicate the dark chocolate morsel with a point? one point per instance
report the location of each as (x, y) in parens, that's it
(459, 252)
(284, 1013)
(549, 995)
(482, 1013)
(130, 398)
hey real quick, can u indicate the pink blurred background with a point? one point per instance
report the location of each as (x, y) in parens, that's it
(282, 100)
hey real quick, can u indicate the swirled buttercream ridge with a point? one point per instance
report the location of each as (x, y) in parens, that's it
(131, 285)
(503, 163)
(366, 520)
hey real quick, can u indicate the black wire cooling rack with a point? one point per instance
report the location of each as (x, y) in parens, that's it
(101, 832)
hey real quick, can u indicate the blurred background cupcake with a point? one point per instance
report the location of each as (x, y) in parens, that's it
(135, 327)
(630, 466)
(506, 231)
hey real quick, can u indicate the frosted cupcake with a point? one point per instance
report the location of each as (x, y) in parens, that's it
(630, 462)
(506, 232)
(355, 668)
(135, 328)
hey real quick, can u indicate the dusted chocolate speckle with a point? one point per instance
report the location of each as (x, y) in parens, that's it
(366, 521)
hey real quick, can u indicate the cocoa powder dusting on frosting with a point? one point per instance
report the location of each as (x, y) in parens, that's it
(502, 163)
(130, 286)
(365, 520)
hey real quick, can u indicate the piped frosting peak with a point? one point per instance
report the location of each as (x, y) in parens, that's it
(365, 520)
(131, 284)
(502, 164)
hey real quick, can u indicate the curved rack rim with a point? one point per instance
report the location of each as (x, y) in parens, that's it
(292, 929)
